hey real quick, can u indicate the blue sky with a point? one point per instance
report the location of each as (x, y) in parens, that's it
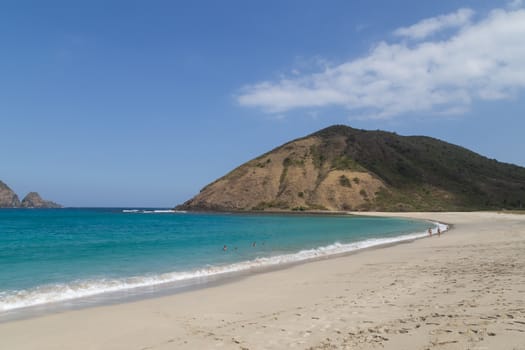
(142, 103)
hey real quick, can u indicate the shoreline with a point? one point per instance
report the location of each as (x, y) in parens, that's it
(202, 279)
(464, 289)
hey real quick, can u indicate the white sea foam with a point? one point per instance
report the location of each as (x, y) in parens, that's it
(154, 211)
(78, 289)
(442, 227)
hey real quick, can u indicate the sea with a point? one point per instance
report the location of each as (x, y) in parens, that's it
(67, 258)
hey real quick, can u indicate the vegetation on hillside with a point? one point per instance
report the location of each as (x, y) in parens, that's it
(341, 168)
(426, 173)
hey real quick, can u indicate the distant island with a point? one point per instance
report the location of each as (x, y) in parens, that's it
(9, 199)
(340, 169)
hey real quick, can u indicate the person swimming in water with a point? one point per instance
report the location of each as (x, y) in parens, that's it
(225, 248)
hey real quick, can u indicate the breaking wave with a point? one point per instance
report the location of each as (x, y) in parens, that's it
(10, 300)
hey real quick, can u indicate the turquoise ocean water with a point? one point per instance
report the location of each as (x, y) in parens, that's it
(56, 255)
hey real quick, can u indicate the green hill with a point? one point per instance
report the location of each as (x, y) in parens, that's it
(341, 168)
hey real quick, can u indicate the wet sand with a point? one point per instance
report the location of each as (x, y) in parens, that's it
(463, 290)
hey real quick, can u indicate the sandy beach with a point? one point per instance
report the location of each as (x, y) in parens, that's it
(463, 290)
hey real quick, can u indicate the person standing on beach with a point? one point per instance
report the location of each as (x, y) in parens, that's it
(430, 232)
(439, 232)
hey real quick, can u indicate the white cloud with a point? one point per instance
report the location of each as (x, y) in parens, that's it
(433, 25)
(515, 4)
(484, 60)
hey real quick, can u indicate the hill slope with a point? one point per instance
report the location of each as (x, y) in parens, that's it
(341, 168)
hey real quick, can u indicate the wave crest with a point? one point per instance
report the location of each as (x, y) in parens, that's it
(78, 289)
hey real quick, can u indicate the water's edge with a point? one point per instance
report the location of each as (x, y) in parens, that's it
(205, 279)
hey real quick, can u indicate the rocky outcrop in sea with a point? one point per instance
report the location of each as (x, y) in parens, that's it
(33, 200)
(9, 199)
